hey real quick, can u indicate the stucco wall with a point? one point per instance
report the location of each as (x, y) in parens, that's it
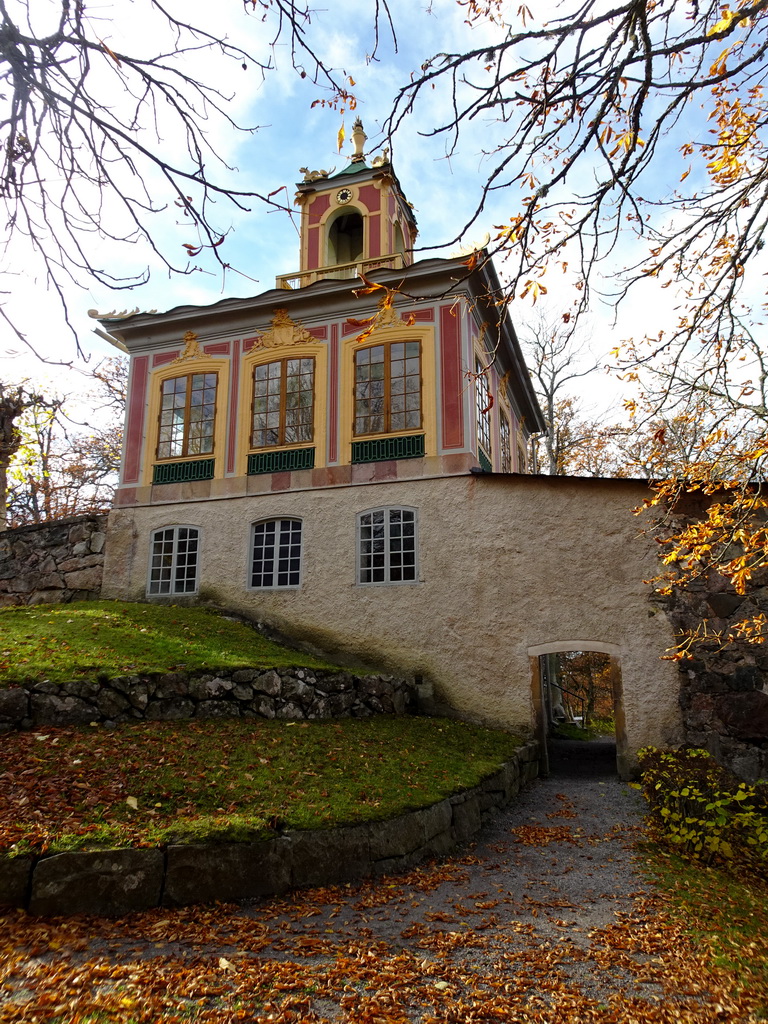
(507, 564)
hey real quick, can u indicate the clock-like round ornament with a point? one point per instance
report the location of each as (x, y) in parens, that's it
(343, 196)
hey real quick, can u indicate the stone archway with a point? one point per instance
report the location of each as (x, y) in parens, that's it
(538, 651)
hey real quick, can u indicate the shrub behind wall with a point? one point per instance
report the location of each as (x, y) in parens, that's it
(702, 807)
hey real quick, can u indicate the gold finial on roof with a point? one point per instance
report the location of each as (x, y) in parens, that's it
(359, 138)
(94, 314)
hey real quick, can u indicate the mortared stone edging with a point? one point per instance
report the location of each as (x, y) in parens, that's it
(111, 883)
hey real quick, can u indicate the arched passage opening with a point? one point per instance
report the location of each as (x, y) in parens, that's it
(576, 690)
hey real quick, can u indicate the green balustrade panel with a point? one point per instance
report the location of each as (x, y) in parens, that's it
(183, 472)
(485, 462)
(411, 447)
(282, 461)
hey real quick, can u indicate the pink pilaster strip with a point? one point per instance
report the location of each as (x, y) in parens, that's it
(135, 424)
(451, 413)
(234, 392)
(333, 397)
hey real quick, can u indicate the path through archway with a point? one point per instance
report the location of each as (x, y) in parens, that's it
(578, 704)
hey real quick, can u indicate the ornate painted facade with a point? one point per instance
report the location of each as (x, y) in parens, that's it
(343, 457)
(324, 379)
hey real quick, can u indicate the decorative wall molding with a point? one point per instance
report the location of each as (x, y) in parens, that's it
(191, 350)
(284, 331)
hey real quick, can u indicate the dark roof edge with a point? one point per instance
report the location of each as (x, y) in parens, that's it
(560, 478)
(287, 296)
(487, 270)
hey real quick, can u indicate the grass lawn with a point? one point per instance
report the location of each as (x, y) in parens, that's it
(725, 914)
(597, 728)
(151, 783)
(110, 638)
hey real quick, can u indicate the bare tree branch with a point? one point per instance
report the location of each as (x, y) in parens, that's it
(591, 119)
(83, 123)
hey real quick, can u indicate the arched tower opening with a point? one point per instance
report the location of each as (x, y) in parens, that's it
(345, 238)
(352, 220)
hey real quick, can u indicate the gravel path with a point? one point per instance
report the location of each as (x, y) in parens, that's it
(555, 873)
(546, 920)
(562, 850)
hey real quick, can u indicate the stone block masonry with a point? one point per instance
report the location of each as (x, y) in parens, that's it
(53, 563)
(723, 684)
(116, 882)
(293, 693)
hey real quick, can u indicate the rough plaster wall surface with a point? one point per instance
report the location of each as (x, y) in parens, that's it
(506, 563)
(582, 557)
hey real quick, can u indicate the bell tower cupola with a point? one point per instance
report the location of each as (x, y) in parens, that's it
(352, 220)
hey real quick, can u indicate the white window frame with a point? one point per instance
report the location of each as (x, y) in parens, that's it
(483, 408)
(275, 573)
(172, 590)
(506, 457)
(387, 510)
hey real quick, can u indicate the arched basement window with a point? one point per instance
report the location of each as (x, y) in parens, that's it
(173, 562)
(387, 545)
(276, 553)
(345, 239)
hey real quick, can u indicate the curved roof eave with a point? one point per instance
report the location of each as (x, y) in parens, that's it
(486, 271)
(278, 296)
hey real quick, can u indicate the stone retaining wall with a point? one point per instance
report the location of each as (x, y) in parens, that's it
(723, 685)
(723, 695)
(52, 563)
(115, 882)
(295, 693)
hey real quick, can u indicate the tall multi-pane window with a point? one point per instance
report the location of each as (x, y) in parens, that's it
(276, 553)
(483, 406)
(174, 560)
(388, 388)
(505, 439)
(283, 403)
(187, 416)
(387, 543)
